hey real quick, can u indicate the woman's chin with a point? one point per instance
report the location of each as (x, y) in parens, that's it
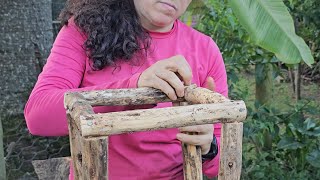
(163, 21)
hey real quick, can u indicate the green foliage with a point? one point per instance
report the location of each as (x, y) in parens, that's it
(271, 26)
(280, 143)
(307, 20)
(239, 53)
(280, 140)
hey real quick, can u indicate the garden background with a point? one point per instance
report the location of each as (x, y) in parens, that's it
(282, 131)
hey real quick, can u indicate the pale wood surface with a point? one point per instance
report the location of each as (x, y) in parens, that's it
(89, 131)
(231, 151)
(199, 95)
(153, 119)
(75, 147)
(87, 165)
(192, 163)
(142, 96)
(95, 159)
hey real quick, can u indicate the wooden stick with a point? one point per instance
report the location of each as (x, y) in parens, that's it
(192, 154)
(199, 95)
(86, 165)
(192, 162)
(231, 151)
(75, 147)
(142, 96)
(97, 125)
(95, 158)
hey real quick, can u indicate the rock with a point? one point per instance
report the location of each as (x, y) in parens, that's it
(53, 169)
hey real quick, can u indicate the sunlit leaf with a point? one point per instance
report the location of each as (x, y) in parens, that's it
(271, 26)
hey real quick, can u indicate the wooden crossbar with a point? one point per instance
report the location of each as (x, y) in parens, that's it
(89, 131)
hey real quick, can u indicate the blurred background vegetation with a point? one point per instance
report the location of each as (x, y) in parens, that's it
(282, 132)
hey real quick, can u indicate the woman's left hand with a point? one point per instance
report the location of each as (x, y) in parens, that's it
(203, 134)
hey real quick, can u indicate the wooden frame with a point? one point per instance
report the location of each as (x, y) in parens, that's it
(89, 131)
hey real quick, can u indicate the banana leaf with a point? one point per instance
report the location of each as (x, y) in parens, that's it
(270, 26)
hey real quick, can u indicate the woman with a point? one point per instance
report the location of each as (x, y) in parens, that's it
(109, 44)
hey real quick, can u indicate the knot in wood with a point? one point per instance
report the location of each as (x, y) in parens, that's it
(79, 157)
(230, 164)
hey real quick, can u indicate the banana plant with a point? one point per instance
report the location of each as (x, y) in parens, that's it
(270, 26)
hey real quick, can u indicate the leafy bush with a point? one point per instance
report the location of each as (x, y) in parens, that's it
(281, 141)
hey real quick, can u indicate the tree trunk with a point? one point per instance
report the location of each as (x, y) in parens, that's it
(297, 81)
(2, 162)
(291, 74)
(57, 6)
(264, 83)
(25, 41)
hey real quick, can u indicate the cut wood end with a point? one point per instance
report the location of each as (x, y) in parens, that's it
(199, 95)
(71, 98)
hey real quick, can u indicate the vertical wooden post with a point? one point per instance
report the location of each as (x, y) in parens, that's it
(231, 151)
(89, 156)
(192, 162)
(95, 159)
(75, 147)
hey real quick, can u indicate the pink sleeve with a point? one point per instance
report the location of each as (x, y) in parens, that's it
(217, 71)
(44, 112)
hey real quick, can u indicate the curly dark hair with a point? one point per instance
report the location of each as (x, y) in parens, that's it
(112, 27)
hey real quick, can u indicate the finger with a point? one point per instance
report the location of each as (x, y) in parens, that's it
(185, 72)
(181, 66)
(159, 83)
(210, 84)
(173, 80)
(201, 129)
(198, 140)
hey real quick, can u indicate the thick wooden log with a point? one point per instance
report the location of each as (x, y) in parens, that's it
(86, 165)
(122, 97)
(192, 162)
(231, 151)
(142, 96)
(76, 105)
(75, 147)
(95, 159)
(97, 125)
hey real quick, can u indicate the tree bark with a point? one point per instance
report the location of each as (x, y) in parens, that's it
(2, 161)
(297, 81)
(99, 125)
(231, 151)
(264, 83)
(25, 41)
(141, 96)
(192, 162)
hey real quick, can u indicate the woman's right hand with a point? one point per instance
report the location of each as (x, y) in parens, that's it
(169, 75)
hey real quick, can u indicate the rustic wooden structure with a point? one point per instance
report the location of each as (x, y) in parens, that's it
(89, 131)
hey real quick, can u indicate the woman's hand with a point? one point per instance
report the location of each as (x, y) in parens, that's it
(170, 76)
(203, 134)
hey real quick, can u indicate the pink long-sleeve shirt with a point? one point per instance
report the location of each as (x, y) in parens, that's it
(143, 155)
